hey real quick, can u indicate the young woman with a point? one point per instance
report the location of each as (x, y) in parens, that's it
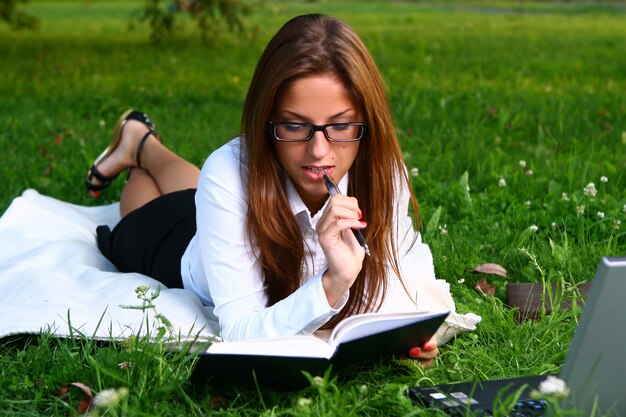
(255, 233)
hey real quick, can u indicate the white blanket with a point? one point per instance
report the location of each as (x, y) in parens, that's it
(54, 278)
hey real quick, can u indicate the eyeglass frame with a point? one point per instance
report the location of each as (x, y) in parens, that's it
(316, 128)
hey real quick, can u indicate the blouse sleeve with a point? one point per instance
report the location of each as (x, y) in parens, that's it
(233, 274)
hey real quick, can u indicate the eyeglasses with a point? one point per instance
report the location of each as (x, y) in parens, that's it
(302, 132)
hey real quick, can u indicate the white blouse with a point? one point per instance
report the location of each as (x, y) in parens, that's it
(221, 268)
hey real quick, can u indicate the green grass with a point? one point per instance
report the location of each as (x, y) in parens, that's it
(475, 88)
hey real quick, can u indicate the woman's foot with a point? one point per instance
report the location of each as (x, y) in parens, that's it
(130, 137)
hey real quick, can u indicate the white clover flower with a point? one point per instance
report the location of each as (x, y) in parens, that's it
(590, 189)
(522, 163)
(363, 389)
(580, 210)
(553, 225)
(318, 381)
(554, 386)
(601, 214)
(502, 183)
(527, 203)
(102, 123)
(564, 197)
(304, 402)
(533, 228)
(415, 172)
(442, 230)
(108, 398)
(461, 281)
(616, 224)
(529, 172)
(624, 209)
(604, 179)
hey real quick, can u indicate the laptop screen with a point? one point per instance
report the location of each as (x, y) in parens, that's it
(595, 365)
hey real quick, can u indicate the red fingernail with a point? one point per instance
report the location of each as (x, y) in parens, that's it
(428, 347)
(360, 214)
(414, 352)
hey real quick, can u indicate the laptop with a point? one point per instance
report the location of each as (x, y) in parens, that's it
(594, 368)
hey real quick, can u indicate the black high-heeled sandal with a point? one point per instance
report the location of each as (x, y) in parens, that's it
(93, 172)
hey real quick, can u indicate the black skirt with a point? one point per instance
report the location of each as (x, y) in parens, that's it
(152, 239)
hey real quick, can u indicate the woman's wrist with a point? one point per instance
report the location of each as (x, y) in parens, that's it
(333, 288)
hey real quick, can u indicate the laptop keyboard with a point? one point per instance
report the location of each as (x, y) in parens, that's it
(461, 404)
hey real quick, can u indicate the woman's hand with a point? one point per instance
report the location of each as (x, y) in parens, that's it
(427, 353)
(342, 250)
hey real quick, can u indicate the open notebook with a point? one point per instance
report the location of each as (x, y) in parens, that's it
(594, 368)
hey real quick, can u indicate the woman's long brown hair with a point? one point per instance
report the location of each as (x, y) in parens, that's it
(312, 45)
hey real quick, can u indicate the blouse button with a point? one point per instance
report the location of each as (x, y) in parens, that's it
(309, 234)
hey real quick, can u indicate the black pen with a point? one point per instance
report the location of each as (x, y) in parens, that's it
(334, 190)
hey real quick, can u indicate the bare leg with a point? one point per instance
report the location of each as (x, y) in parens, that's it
(163, 171)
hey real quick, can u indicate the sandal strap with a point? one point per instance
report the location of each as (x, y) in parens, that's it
(143, 118)
(95, 172)
(142, 143)
(104, 180)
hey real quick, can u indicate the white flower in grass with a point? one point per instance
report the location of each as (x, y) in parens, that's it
(533, 228)
(522, 163)
(604, 179)
(304, 402)
(502, 183)
(554, 387)
(553, 225)
(442, 230)
(601, 214)
(318, 381)
(102, 123)
(461, 281)
(616, 224)
(529, 172)
(415, 172)
(109, 398)
(564, 197)
(624, 209)
(590, 189)
(580, 210)
(527, 203)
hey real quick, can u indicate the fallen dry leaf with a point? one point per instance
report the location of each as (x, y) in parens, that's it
(484, 287)
(86, 403)
(218, 402)
(58, 140)
(489, 269)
